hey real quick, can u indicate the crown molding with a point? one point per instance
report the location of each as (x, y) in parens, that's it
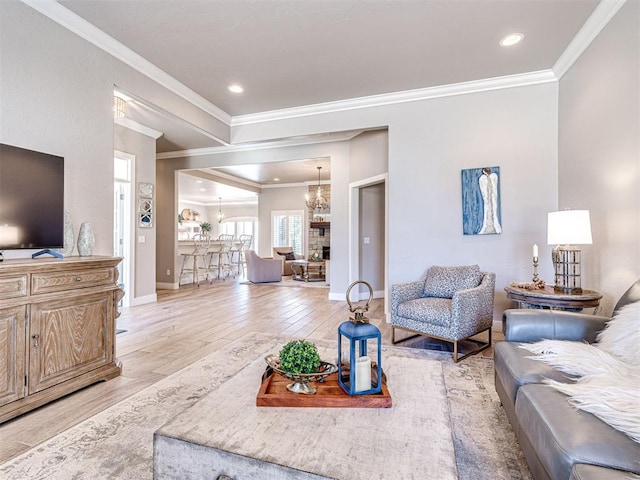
(92, 34)
(476, 86)
(137, 127)
(283, 143)
(600, 17)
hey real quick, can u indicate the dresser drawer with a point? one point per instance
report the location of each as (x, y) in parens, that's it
(71, 280)
(13, 286)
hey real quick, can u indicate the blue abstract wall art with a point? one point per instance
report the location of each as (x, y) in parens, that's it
(481, 213)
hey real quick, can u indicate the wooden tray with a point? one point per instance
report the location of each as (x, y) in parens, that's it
(273, 393)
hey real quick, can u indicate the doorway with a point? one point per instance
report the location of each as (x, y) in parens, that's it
(122, 185)
(368, 237)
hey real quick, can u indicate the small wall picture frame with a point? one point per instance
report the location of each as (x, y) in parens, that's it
(145, 205)
(145, 190)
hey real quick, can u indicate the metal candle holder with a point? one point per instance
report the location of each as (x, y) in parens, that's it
(535, 269)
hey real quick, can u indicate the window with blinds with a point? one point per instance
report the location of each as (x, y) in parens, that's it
(287, 229)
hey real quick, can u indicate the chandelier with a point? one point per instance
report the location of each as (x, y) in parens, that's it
(118, 107)
(220, 215)
(318, 202)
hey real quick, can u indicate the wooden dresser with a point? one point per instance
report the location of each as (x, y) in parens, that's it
(57, 328)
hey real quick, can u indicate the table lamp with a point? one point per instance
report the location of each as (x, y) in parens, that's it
(565, 229)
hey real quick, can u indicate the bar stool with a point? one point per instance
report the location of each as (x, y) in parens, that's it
(245, 244)
(199, 253)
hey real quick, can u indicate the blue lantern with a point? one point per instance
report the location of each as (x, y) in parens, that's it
(357, 333)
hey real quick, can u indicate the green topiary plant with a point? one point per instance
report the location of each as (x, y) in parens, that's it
(299, 356)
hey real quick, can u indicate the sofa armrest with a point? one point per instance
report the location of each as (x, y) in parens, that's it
(528, 325)
(401, 292)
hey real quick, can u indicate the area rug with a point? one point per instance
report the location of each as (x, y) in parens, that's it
(118, 442)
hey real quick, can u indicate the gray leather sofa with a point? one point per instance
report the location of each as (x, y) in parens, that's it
(558, 441)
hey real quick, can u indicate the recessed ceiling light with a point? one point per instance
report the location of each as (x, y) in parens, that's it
(511, 39)
(276, 179)
(198, 181)
(235, 88)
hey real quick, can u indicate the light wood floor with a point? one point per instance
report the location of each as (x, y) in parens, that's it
(182, 327)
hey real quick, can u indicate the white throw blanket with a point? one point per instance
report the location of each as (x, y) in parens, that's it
(607, 373)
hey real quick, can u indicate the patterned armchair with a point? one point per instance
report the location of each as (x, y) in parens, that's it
(450, 303)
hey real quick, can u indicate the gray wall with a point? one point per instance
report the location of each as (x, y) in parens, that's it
(56, 96)
(599, 152)
(429, 143)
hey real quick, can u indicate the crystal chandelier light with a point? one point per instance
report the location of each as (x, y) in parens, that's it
(318, 202)
(220, 215)
(118, 107)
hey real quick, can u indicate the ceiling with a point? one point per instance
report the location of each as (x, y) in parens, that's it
(288, 53)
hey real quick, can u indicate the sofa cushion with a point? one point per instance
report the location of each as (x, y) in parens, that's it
(443, 282)
(436, 311)
(514, 369)
(582, 471)
(562, 436)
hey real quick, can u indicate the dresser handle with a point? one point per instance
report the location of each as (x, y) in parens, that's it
(36, 339)
(78, 279)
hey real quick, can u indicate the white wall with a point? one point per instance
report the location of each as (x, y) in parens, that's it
(56, 97)
(599, 150)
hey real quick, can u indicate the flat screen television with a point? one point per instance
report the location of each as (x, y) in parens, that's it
(31, 199)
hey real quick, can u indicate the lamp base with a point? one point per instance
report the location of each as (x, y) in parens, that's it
(567, 290)
(566, 262)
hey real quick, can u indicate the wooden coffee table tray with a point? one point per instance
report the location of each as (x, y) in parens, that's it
(273, 393)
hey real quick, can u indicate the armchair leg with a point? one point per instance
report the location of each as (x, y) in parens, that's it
(456, 352)
(394, 340)
(481, 346)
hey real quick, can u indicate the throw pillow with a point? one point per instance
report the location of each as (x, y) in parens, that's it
(443, 282)
(288, 255)
(621, 336)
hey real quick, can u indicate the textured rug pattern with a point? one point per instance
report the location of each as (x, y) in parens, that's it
(118, 442)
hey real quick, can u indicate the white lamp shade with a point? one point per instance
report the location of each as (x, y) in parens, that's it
(569, 227)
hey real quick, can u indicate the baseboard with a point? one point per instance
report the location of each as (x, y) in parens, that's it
(167, 286)
(143, 300)
(363, 296)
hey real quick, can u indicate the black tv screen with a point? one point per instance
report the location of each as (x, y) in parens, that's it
(31, 199)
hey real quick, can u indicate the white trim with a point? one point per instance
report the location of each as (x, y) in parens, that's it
(167, 286)
(289, 142)
(144, 300)
(476, 86)
(87, 31)
(138, 127)
(600, 17)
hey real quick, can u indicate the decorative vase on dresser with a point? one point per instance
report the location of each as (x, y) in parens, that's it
(69, 238)
(86, 240)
